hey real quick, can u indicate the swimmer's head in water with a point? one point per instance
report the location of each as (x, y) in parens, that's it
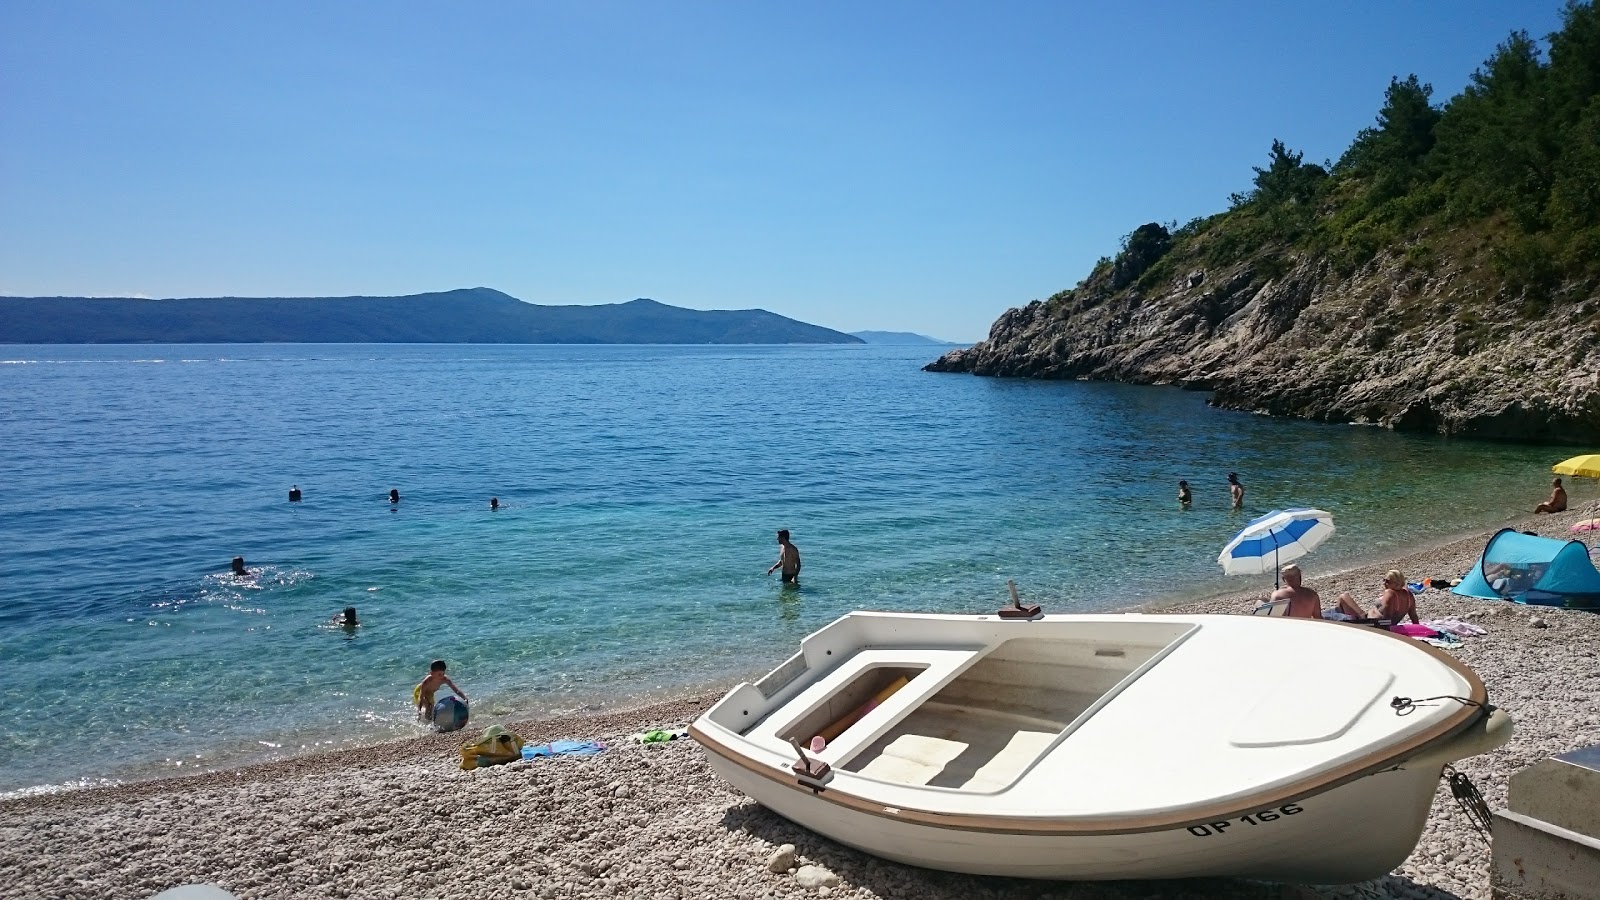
(238, 566)
(350, 615)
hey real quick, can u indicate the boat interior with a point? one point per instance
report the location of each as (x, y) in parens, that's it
(962, 719)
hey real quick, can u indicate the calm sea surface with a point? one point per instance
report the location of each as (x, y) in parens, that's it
(640, 488)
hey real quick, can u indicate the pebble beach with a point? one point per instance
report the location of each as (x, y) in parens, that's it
(400, 820)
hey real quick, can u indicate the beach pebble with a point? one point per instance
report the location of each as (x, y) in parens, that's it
(812, 876)
(781, 860)
(1538, 622)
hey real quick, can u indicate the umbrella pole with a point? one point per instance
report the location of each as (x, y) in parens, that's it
(1275, 584)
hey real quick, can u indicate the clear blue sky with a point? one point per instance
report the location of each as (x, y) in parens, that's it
(916, 166)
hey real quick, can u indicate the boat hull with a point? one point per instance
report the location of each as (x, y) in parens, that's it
(1105, 747)
(1356, 831)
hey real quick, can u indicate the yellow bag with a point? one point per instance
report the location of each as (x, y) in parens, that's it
(494, 747)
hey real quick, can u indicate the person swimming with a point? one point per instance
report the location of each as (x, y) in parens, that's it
(239, 571)
(294, 494)
(494, 502)
(394, 495)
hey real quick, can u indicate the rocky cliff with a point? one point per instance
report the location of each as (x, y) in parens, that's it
(1412, 339)
(1443, 275)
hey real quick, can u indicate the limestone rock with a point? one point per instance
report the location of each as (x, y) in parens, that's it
(781, 860)
(1385, 345)
(815, 877)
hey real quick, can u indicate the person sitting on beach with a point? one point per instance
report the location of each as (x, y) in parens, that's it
(423, 693)
(1558, 499)
(1397, 600)
(1184, 496)
(1304, 603)
(239, 571)
(1395, 603)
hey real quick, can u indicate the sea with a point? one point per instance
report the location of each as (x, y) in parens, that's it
(640, 489)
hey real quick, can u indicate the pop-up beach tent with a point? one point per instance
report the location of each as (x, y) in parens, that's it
(1535, 570)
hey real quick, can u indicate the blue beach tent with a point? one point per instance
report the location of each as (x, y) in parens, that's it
(1534, 570)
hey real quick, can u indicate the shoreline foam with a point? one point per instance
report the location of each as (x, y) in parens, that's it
(397, 819)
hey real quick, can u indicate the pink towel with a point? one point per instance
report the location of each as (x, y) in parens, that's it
(1410, 630)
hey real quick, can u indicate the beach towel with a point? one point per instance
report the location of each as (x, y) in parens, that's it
(1416, 631)
(562, 748)
(1453, 625)
(661, 735)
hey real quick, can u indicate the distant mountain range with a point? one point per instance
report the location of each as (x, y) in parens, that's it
(897, 337)
(467, 316)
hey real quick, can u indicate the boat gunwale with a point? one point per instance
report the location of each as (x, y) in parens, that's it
(1370, 764)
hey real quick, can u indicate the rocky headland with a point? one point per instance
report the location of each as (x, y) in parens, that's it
(1395, 343)
(1443, 275)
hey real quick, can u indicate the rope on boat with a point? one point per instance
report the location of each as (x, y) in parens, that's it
(1470, 801)
(1405, 706)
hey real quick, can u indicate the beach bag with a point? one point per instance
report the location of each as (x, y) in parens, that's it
(495, 746)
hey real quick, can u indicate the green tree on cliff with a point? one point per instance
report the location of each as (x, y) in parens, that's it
(1393, 153)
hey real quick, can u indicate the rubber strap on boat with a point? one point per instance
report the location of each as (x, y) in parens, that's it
(1470, 801)
(1405, 706)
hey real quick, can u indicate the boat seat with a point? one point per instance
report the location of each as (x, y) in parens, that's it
(937, 668)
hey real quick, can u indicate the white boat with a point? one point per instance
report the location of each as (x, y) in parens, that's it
(1107, 746)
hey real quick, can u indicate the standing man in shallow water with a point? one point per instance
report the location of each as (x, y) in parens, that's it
(1236, 489)
(788, 559)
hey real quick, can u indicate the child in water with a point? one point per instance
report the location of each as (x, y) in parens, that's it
(347, 620)
(423, 693)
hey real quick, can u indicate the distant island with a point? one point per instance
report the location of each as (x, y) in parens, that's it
(897, 337)
(467, 316)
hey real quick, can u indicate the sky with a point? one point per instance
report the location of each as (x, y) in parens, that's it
(904, 166)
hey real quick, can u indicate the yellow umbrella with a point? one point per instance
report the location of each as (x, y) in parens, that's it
(1585, 466)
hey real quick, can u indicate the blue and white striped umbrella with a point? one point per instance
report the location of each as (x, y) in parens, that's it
(1274, 539)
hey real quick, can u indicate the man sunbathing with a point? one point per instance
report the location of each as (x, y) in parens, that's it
(1303, 601)
(1558, 499)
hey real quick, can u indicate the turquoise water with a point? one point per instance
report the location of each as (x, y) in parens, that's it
(640, 489)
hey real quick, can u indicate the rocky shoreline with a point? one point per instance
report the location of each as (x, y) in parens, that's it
(399, 820)
(1389, 344)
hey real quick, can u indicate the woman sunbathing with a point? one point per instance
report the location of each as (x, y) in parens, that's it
(1395, 603)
